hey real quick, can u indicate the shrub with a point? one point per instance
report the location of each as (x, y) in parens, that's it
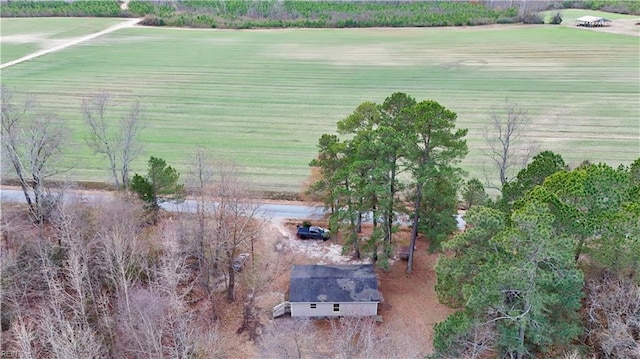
(152, 20)
(617, 8)
(479, 21)
(506, 20)
(557, 19)
(531, 18)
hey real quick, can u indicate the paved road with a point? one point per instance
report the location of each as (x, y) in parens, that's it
(267, 210)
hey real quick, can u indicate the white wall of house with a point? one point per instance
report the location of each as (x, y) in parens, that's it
(326, 309)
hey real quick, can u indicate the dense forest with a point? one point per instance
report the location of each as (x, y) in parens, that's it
(239, 14)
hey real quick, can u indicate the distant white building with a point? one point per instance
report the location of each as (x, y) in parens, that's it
(331, 291)
(592, 21)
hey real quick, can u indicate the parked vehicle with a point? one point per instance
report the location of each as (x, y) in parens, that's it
(239, 261)
(313, 232)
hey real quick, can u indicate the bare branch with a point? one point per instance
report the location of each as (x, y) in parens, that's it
(120, 145)
(94, 111)
(507, 150)
(289, 338)
(235, 218)
(131, 148)
(33, 146)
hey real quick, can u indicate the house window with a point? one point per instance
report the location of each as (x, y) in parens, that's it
(313, 305)
(336, 307)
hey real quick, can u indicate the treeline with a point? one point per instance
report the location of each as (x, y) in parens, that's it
(97, 8)
(620, 7)
(239, 14)
(259, 14)
(319, 14)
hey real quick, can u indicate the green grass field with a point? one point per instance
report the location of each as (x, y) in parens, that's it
(22, 36)
(264, 97)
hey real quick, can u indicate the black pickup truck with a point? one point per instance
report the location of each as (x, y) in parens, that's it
(313, 232)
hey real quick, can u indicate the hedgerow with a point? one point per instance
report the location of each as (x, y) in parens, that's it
(96, 8)
(272, 13)
(241, 14)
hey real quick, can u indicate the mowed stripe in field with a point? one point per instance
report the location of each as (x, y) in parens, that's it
(264, 97)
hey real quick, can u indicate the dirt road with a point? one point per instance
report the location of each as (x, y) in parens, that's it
(72, 42)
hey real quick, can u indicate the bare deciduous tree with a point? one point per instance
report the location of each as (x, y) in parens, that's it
(120, 145)
(21, 284)
(209, 344)
(508, 152)
(53, 318)
(612, 316)
(235, 218)
(289, 338)
(354, 338)
(67, 332)
(78, 290)
(140, 321)
(22, 335)
(33, 145)
(120, 248)
(130, 126)
(362, 337)
(201, 181)
(160, 324)
(478, 342)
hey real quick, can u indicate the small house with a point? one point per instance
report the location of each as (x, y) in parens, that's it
(333, 291)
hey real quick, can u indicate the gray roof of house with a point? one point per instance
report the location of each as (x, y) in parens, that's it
(333, 283)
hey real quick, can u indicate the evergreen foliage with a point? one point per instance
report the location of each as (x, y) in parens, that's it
(360, 175)
(95, 8)
(557, 19)
(474, 194)
(436, 219)
(615, 6)
(522, 279)
(240, 14)
(518, 271)
(160, 183)
(596, 207)
(543, 165)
